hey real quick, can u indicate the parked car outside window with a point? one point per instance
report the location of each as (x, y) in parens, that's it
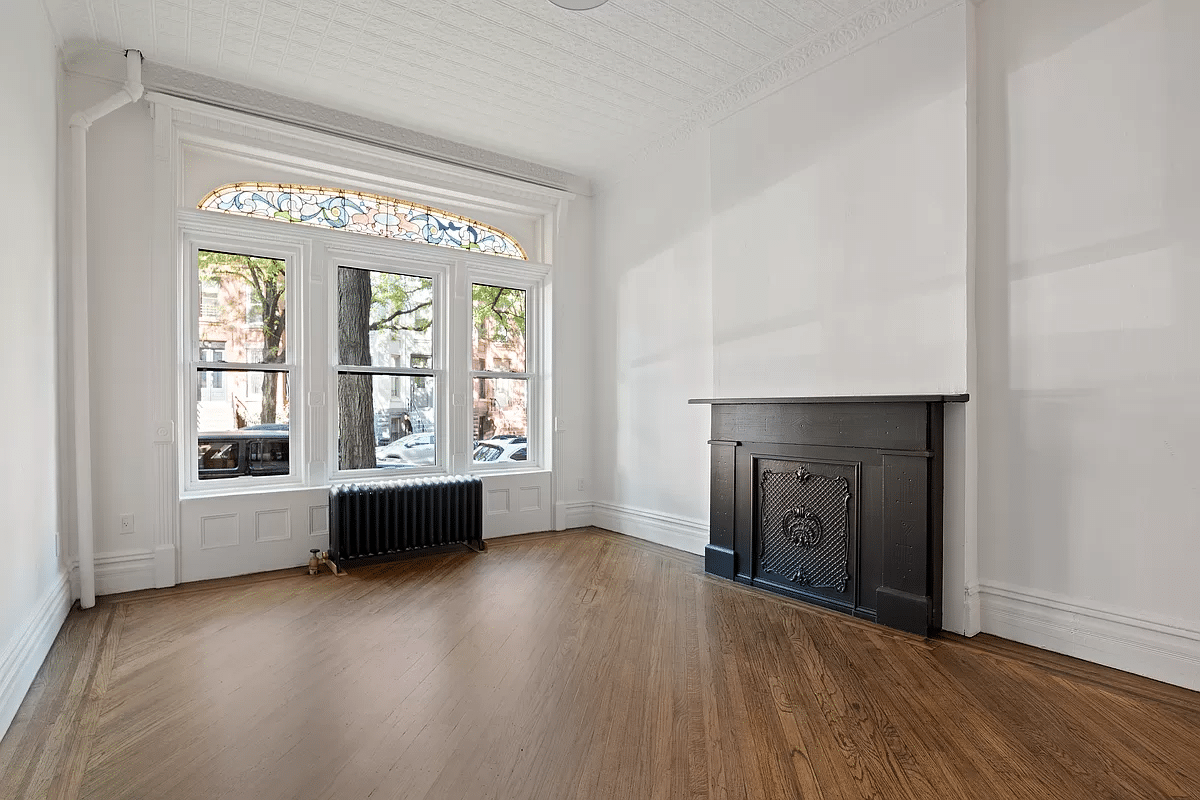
(232, 454)
(501, 448)
(408, 451)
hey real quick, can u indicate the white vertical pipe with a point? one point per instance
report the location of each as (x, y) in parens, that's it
(81, 396)
(82, 383)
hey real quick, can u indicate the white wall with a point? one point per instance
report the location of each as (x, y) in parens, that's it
(33, 595)
(120, 199)
(653, 349)
(814, 243)
(1088, 332)
(839, 226)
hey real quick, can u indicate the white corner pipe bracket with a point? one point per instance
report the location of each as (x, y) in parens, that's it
(80, 121)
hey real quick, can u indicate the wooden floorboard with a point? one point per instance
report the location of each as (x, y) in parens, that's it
(568, 667)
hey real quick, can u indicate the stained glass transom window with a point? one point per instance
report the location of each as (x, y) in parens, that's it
(361, 213)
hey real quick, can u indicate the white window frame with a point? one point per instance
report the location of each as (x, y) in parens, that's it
(200, 233)
(530, 281)
(313, 256)
(379, 257)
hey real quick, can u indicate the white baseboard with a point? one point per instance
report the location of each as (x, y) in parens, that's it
(680, 533)
(23, 657)
(961, 616)
(578, 515)
(1164, 649)
(120, 571)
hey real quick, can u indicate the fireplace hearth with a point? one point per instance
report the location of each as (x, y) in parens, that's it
(836, 501)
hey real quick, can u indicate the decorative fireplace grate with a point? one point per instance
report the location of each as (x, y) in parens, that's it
(805, 527)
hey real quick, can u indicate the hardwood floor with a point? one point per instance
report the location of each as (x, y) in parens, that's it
(564, 666)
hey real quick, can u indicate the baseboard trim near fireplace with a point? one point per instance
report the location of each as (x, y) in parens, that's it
(1164, 649)
(670, 530)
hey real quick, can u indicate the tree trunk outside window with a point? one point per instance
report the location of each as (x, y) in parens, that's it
(356, 411)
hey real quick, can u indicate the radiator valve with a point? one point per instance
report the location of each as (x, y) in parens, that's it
(320, 557)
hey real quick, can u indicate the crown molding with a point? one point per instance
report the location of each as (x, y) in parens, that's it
(205, 89)
(335, 157)
(874, 23)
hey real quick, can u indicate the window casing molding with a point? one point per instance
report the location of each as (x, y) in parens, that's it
(296, 254)
(367, 255)
(227, 138)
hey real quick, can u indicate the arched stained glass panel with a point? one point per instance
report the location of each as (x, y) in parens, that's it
(361, 213)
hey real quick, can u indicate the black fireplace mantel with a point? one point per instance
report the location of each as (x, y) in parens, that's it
(833, 500)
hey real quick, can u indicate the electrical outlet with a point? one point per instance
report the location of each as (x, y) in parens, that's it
(57, 545)
(127, 523)
(581, 484)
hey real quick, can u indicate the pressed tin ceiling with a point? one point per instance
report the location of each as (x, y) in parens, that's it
(579, 90)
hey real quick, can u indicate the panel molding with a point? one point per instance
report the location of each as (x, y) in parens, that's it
(215, 544)
(670, 530)
(269, 513)
(24, 654)
(1156, 647)
(318, 520)
(494, 496)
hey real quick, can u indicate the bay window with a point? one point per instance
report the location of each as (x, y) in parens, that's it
(396, 362)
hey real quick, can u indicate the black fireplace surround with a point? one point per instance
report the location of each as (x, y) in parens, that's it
(836, 501)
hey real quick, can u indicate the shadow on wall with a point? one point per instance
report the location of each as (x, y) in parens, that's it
(655, 351)
(1088, 243)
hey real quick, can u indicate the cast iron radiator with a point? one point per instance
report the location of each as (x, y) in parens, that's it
(376, 520)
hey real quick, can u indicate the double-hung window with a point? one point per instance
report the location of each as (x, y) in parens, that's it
(241, 366)
(500, 375)
(387, 412)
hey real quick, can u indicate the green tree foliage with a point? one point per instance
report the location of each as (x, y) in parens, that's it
(266, 278)
(499, 313)
(400, 302)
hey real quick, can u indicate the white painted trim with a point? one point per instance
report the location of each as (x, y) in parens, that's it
(23, 657)
(972, 605)
(1157, 647)
(167, 324)
(670, 530)
(122, 571)
(577, 515)
(341, 157)
(188, 90)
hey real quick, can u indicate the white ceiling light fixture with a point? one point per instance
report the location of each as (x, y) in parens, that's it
(579, 5)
